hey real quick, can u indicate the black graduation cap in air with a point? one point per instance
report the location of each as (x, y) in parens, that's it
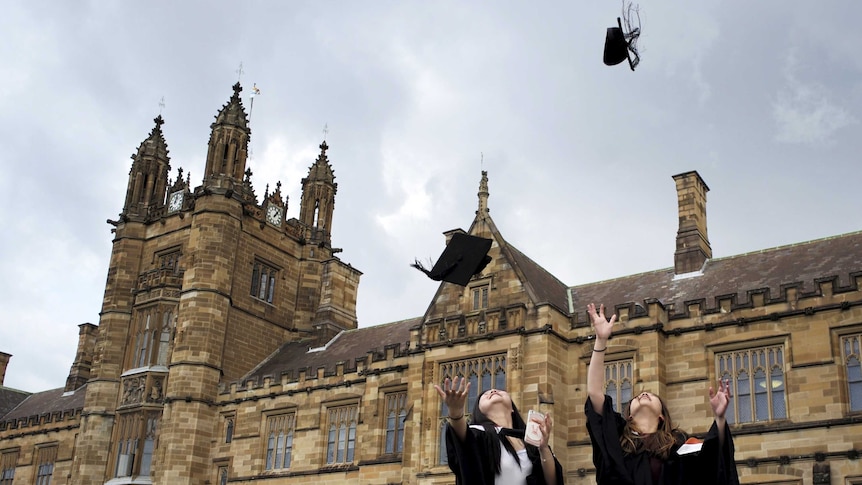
(621, 45)
(463, 257)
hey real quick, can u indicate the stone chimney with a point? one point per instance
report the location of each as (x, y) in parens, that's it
(79, 374)
(4, 361)
(692, 242)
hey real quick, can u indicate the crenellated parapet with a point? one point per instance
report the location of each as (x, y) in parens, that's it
(738, 308)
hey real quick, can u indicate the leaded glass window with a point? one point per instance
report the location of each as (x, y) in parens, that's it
(279, 440)
(618, 382)
(850, 346)
(756, 379)
(483, 373)
(396, 413)
(341, 434)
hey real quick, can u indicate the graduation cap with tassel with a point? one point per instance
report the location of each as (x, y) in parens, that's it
(463, 257)
(621, 44)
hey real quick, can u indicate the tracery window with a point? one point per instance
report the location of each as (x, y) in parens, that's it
(483, 373)
(135, 443)
(279, 441)
(152, 337)
(395, 415)
(618, 382)
(45, 458)
(341, 434)
(8, 462)
(850, 347)
(756, 379)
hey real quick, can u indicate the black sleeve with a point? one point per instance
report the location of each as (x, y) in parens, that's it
(466, 458)
(604, 430)
(538, 475)
(719, 460)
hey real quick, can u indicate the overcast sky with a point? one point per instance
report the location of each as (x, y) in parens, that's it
(763, 99)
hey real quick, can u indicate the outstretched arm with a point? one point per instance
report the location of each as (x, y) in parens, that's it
(454, 394)
(719, 401)
(549, 466)
(595, 375)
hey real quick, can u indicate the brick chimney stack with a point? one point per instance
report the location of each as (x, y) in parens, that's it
(692, 242)
(4, 361)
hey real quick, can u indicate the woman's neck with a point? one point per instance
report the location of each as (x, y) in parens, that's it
(645, 424)
(501, 419)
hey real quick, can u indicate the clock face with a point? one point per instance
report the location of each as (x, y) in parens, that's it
(176, 202)
(273, 215)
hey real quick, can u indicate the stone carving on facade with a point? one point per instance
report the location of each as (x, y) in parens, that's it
(442, 334)
(133, 390)
(514, 357)
(156, 393)
(429, 372)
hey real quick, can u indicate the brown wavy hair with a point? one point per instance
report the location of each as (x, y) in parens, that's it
(659, 444)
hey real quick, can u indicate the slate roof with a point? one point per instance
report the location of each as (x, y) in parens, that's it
(797, 265)
(546, 287)
(346, 347)
(9, 398)
(48, 403)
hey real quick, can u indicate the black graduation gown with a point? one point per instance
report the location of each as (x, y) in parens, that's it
(712, 465)
(471, 464)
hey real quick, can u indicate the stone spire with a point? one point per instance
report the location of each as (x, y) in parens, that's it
(228, 144)
(148, 178)
(318, 197)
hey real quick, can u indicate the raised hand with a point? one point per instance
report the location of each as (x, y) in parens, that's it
(454, 394)
(545, 426)
(603, 326)
(720, 399)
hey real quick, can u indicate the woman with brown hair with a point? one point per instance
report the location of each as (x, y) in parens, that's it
(645, 448)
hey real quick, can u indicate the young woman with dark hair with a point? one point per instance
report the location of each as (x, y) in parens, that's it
(491, 449)
(644, 447)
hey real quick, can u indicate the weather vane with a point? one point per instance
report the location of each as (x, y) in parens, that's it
(239, 72)
(325, 130)
(161, 105)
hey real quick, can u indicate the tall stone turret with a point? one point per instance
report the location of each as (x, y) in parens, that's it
(318, 199)
(228, 145)
(148, 177)
(145, 201)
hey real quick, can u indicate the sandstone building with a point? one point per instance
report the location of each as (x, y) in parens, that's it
(228, 349)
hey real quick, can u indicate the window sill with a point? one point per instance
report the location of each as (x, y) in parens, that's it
(130, 481)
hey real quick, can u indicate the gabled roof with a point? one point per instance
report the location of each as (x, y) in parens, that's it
(799, 265)
(346, 347)
(541, 286)
(48, 403)
(9, 398)
(545, 286)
